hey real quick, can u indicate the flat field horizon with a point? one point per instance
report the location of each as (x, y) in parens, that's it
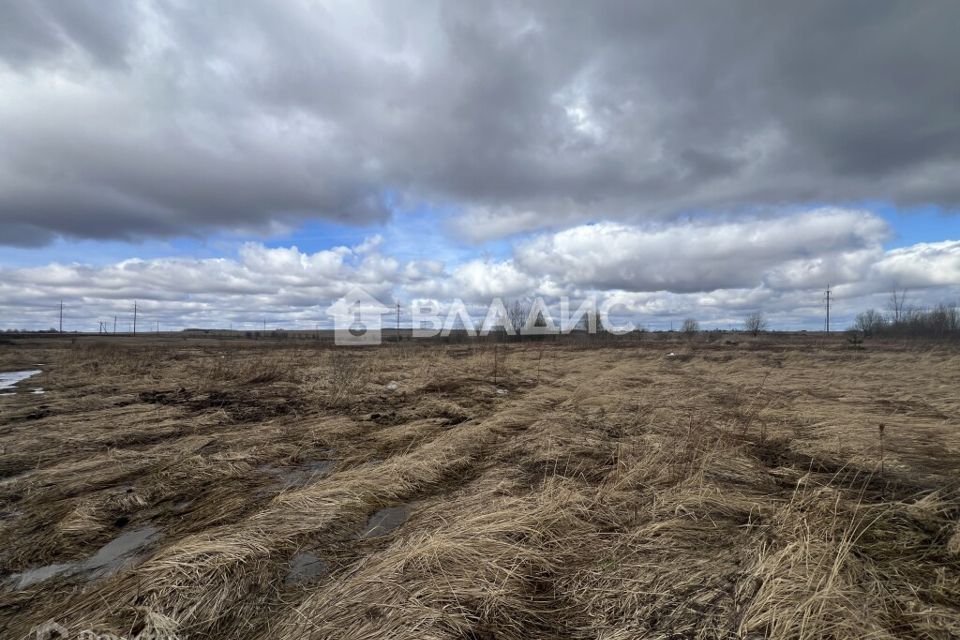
(713, 486)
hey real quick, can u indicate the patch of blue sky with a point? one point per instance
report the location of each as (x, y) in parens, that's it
(424, 233)
(319, 235)
(918, 224)
(104, 252)
(417, 232)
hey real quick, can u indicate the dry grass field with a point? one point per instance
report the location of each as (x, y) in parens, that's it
(665, 489)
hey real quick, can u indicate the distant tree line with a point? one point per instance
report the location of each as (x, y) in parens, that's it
(942, 321)
(901, 321)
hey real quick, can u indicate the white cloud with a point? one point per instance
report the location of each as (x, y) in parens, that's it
(716, 271)
(701, 256)
(280, 282)
(921, 265)
(478, 281)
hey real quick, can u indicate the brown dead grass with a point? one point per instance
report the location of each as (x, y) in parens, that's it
(732, 491)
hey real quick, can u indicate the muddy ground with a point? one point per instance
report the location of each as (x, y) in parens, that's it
(670, 488)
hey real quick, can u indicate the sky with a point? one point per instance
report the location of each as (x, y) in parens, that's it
(230, 163)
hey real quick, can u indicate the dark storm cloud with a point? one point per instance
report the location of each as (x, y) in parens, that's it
(38, 31)
(167, 118)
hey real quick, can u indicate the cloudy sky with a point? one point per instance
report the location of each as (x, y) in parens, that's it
(230, 162)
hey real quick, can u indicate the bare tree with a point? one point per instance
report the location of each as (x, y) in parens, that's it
(869, 322)
(690, 327)
(897, 303)
(755, 323)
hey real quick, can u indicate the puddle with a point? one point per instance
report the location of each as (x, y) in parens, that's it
(109, 559)
(305, 567)
(385, 521)
(10, 378)
(300, 475)
(115, 554)
(37, 391)
(33, 576)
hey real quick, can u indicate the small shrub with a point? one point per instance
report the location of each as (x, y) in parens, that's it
(855, 339)
(755, 323)
(690, 327)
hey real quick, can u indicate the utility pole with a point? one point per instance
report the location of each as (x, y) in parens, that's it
(114, 325)
(398, 321)
(827, 296)
(61, 315)
(134, 317)
(264, 324)
(158, 326)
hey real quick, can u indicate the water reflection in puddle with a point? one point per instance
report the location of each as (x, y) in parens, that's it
(385, 520)
(299, 475)
(115, 554)
(10, 378)
(110, 558)
(33, 576)
(305, 567)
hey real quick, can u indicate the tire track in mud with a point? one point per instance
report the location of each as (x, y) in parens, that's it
(444, 526)
(216, 579)
(509, 543)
